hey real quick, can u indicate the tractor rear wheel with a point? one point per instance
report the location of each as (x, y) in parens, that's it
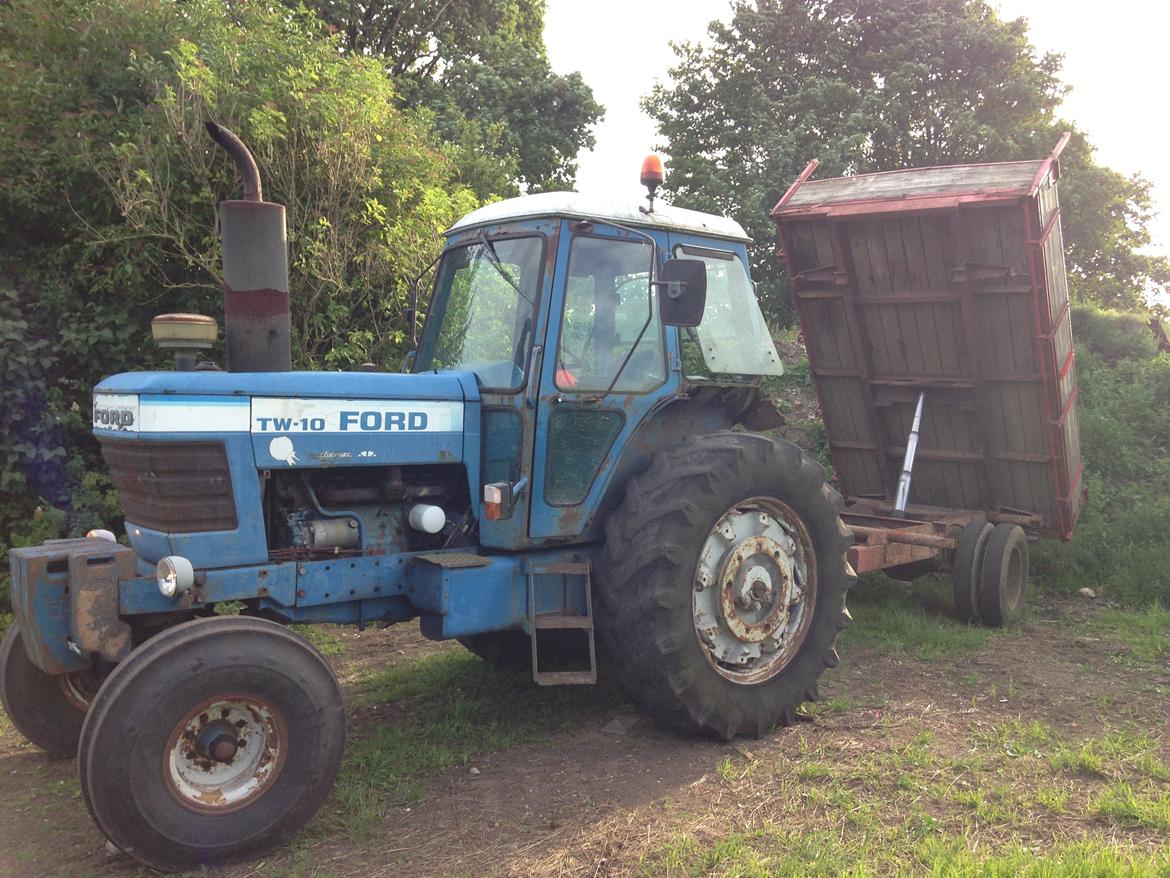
(723, 582)
(217, 739)
(48, 710)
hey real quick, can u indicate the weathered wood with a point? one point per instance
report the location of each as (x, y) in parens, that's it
(1012, 177)
(968, 303)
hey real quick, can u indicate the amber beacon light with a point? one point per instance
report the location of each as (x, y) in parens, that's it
(652, 177)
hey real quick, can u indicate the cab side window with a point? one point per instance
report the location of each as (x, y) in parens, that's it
(604, 329)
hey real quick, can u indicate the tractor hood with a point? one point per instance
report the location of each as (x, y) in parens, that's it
(298, 419)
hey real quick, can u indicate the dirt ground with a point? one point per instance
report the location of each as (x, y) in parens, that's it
(610, 796)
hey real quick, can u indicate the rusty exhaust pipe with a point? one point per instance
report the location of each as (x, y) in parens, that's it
(256, 320)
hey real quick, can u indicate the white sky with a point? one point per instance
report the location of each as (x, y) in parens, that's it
(1117, 60)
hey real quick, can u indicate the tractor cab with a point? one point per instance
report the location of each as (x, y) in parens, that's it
(583, 321)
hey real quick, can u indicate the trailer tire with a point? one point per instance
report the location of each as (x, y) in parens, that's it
(965, 577)
(1004, 576)
(661, 543)
(48, 710)
(216, 740)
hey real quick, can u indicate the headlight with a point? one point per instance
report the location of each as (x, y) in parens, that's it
(175, 574)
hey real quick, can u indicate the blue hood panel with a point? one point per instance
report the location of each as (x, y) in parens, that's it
(374, 385)
(301, 419)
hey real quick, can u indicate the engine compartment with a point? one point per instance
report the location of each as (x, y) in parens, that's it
(349, 511)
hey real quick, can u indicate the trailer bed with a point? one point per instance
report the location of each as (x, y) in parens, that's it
(948, 281)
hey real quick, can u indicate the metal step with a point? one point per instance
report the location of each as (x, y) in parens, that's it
(566, 678)
(562, 621)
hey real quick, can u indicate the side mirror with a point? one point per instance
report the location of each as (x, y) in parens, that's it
(682, 292)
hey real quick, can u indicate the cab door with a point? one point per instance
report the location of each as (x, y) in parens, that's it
(607, 363)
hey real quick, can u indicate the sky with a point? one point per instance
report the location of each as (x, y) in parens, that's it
(1116, 59)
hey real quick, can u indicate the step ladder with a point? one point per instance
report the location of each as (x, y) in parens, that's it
(561, 621)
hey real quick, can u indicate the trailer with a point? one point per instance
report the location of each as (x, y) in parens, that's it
(934, 306)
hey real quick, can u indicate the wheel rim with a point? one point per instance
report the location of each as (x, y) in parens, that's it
(80, 688)
(755, 590)
(1014, 584)
(225, 753)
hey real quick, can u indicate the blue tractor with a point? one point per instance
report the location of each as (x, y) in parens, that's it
(574, 451)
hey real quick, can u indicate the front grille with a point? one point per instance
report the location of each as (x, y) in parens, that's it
(172, 487)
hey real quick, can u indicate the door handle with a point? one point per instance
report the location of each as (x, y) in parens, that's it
(534, 364)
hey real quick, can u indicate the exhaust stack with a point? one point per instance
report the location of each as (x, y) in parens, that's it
(257, 325)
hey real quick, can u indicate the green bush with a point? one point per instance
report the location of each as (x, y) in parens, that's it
(1120, 544)
(1113, 335)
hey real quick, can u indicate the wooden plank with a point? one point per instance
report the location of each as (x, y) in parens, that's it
(958, 179)
(863, 353)
(988, 489)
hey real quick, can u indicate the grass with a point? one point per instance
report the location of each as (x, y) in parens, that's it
(440, 712)
(891, 617)
(1144, 808)
(1144, 635)
(775, 850)
(996, 802)
(327, 641)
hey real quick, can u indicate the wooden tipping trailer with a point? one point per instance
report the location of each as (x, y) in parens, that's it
(934, 306)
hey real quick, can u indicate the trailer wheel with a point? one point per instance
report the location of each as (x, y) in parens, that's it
(1004, 575)
(722, 584)
(969, 553)
(217, 739)
(48, 710)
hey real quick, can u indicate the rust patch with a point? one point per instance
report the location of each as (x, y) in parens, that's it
(93, 606)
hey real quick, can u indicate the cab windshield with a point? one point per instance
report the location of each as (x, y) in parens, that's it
(483, 309)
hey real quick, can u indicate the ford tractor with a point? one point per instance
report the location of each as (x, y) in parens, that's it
(569, 476)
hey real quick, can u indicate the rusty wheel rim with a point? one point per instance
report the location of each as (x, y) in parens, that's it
(79, 689)
(755, 590)
(225, 753)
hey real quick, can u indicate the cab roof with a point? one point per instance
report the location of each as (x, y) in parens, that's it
(574, 205)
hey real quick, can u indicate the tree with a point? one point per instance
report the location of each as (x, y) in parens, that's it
(481, 67)
(868, 85)
(108, 194)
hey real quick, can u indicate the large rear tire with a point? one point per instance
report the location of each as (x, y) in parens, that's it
(48, 710)
(216, 740)
(723, 583)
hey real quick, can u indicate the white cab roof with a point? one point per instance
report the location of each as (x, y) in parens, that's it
(577, 206)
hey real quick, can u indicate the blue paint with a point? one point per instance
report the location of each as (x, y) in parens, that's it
(545, 519)
(45, 598)
(504, 436)
(345, 385)
(247, 544)
(191, 399)
(277, 582)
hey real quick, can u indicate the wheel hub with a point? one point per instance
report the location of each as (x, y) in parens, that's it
(225, 753)
(752, 590)
(756, 578)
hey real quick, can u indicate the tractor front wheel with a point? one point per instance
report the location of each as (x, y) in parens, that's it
(217, 739)
(48, 710)
(723, 584)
